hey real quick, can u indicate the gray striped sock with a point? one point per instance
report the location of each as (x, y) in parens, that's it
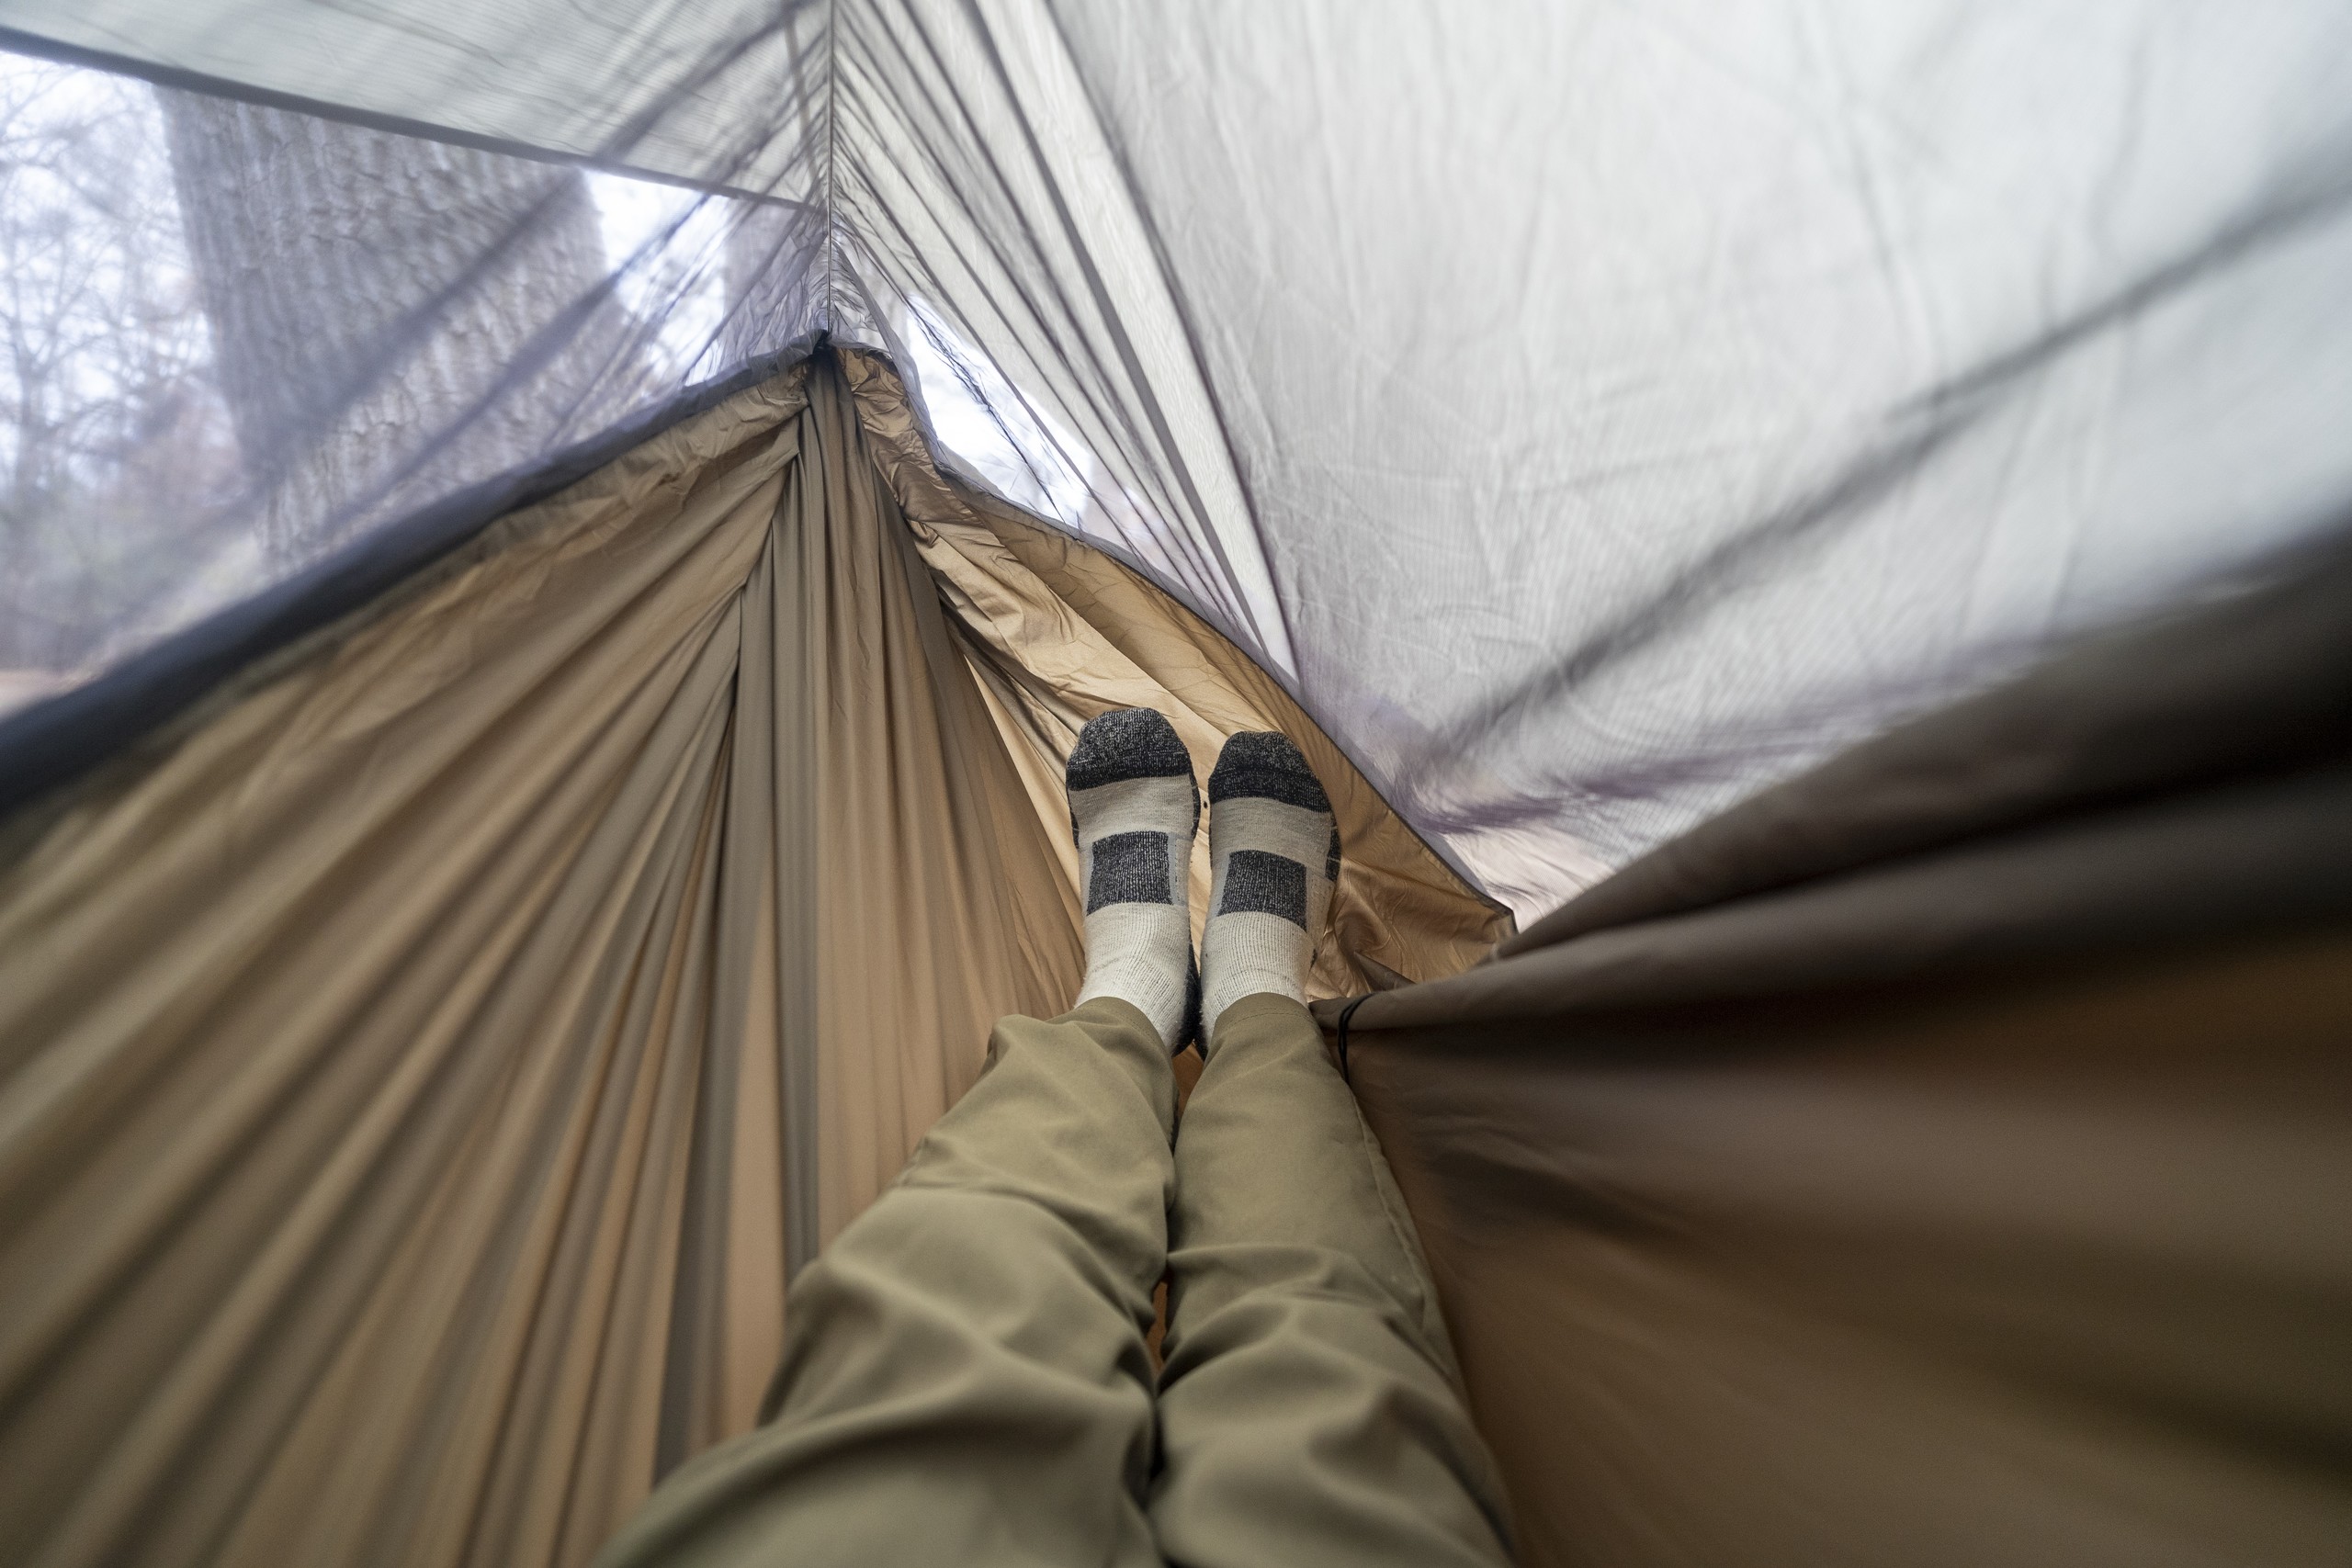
(1133, 809)
(1275, 856)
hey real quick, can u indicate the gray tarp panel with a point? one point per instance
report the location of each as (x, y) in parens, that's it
(1593, 413)
(726, 92)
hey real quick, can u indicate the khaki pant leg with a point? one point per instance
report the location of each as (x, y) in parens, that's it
(965, 1377)
(1309, 1410)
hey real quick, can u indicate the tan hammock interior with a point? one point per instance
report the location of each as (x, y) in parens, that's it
(429, 1058)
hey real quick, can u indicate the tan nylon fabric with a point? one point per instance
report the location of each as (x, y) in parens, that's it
(420, 1067)
(1940, 1158)
(2048, 1271)
(352, 1061)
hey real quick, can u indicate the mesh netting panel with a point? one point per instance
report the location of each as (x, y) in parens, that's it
(1593, 413)
(244, 336)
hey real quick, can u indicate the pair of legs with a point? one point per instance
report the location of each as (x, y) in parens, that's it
(966, 1377)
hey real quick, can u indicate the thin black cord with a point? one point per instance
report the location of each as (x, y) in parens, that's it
(1346, 1013)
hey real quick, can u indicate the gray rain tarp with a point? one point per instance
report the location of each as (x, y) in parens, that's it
(1591, 413)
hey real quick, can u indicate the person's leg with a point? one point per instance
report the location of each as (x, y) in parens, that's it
(966, 1378)
(1310, 1411)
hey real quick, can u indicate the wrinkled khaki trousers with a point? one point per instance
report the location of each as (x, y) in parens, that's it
(966, 1378)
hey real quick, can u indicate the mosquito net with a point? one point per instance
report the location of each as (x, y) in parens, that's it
(1590, 412)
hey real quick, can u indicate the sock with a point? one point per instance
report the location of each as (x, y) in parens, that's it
(1275, 856)
(1135, 809)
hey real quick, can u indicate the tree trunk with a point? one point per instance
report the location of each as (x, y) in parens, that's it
(393, 318)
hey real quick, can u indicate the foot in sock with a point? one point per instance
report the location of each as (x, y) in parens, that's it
(1275, 856)
(1134, 808)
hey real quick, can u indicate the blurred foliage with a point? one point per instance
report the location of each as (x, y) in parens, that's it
(117, 461)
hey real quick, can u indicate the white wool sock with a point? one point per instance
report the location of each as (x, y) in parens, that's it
(1273, 858)
(1135, 809)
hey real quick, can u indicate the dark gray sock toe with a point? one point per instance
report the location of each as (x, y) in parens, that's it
(1264, 763)
(1126, 743)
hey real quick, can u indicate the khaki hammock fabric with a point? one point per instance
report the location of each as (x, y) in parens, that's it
(424, 1063)
(1943, 1160)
